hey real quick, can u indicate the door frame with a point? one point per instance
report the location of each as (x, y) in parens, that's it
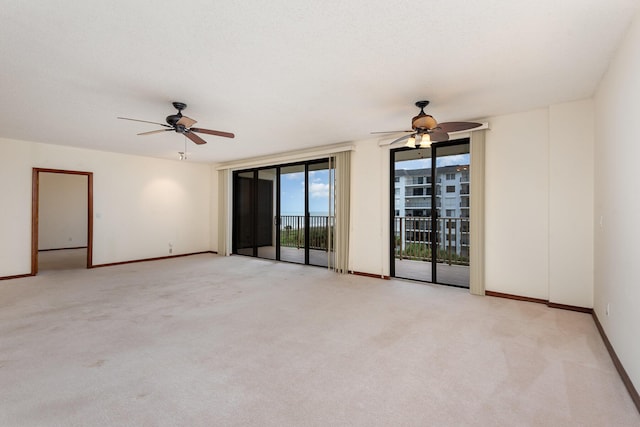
(35, 211)
(433, 231)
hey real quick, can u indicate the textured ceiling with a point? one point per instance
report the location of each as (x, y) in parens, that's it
(286, 75)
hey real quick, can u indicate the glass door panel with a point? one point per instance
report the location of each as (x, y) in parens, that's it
(412, 223)
(266, 213)
(319, 187)
(452, 260)
(292, 213)
(243, 208)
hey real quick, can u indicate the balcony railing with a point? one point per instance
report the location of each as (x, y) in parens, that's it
(413, 237)
(292, 231)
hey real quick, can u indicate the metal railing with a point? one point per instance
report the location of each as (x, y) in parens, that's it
(414, 238)
(292, 231)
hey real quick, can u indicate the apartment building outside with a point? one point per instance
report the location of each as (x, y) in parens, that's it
(414, 212)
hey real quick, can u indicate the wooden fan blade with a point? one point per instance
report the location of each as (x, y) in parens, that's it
(144, 121)
(457, 126)
(394, 131)
(151, 132)
(195, 138)
(437, 136)
(213, 132)
(186, 121)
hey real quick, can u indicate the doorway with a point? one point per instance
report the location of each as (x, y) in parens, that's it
(430, 213)
(285, 212)
(61, 219)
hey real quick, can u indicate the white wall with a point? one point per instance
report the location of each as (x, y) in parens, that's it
(617, 203)
(140, 204)
(63, 207)
(15, 215)
(517, 204)
(369, 236)
(571, 175)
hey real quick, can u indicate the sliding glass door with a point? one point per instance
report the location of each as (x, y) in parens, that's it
(285, 212)
(430, 213)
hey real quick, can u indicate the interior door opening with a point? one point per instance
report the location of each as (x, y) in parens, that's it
(430, 219)
(61, 220)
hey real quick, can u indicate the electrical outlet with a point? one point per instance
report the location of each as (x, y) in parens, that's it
(608, 309)
(170, 250)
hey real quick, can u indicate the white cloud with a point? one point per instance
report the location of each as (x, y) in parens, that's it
(295, 175)
(458, 159)
(453, 160)
(318, 190)
(414, 164)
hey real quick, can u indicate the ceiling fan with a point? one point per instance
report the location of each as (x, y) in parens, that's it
(425, 129)
(182, 124)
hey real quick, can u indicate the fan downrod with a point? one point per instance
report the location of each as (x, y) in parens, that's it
(422, 104)
(181, 105)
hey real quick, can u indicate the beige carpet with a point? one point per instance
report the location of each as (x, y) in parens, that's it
(213, 341)
(62, 259)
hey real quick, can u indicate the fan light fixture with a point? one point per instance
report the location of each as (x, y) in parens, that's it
(419, 141)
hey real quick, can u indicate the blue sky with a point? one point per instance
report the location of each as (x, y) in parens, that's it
(458, 159)
(292, 193)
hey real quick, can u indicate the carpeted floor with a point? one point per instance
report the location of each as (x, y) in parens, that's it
(234, 341)
(62, 259)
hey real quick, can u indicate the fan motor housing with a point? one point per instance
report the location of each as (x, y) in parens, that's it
(173, 119)
(423, 122)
